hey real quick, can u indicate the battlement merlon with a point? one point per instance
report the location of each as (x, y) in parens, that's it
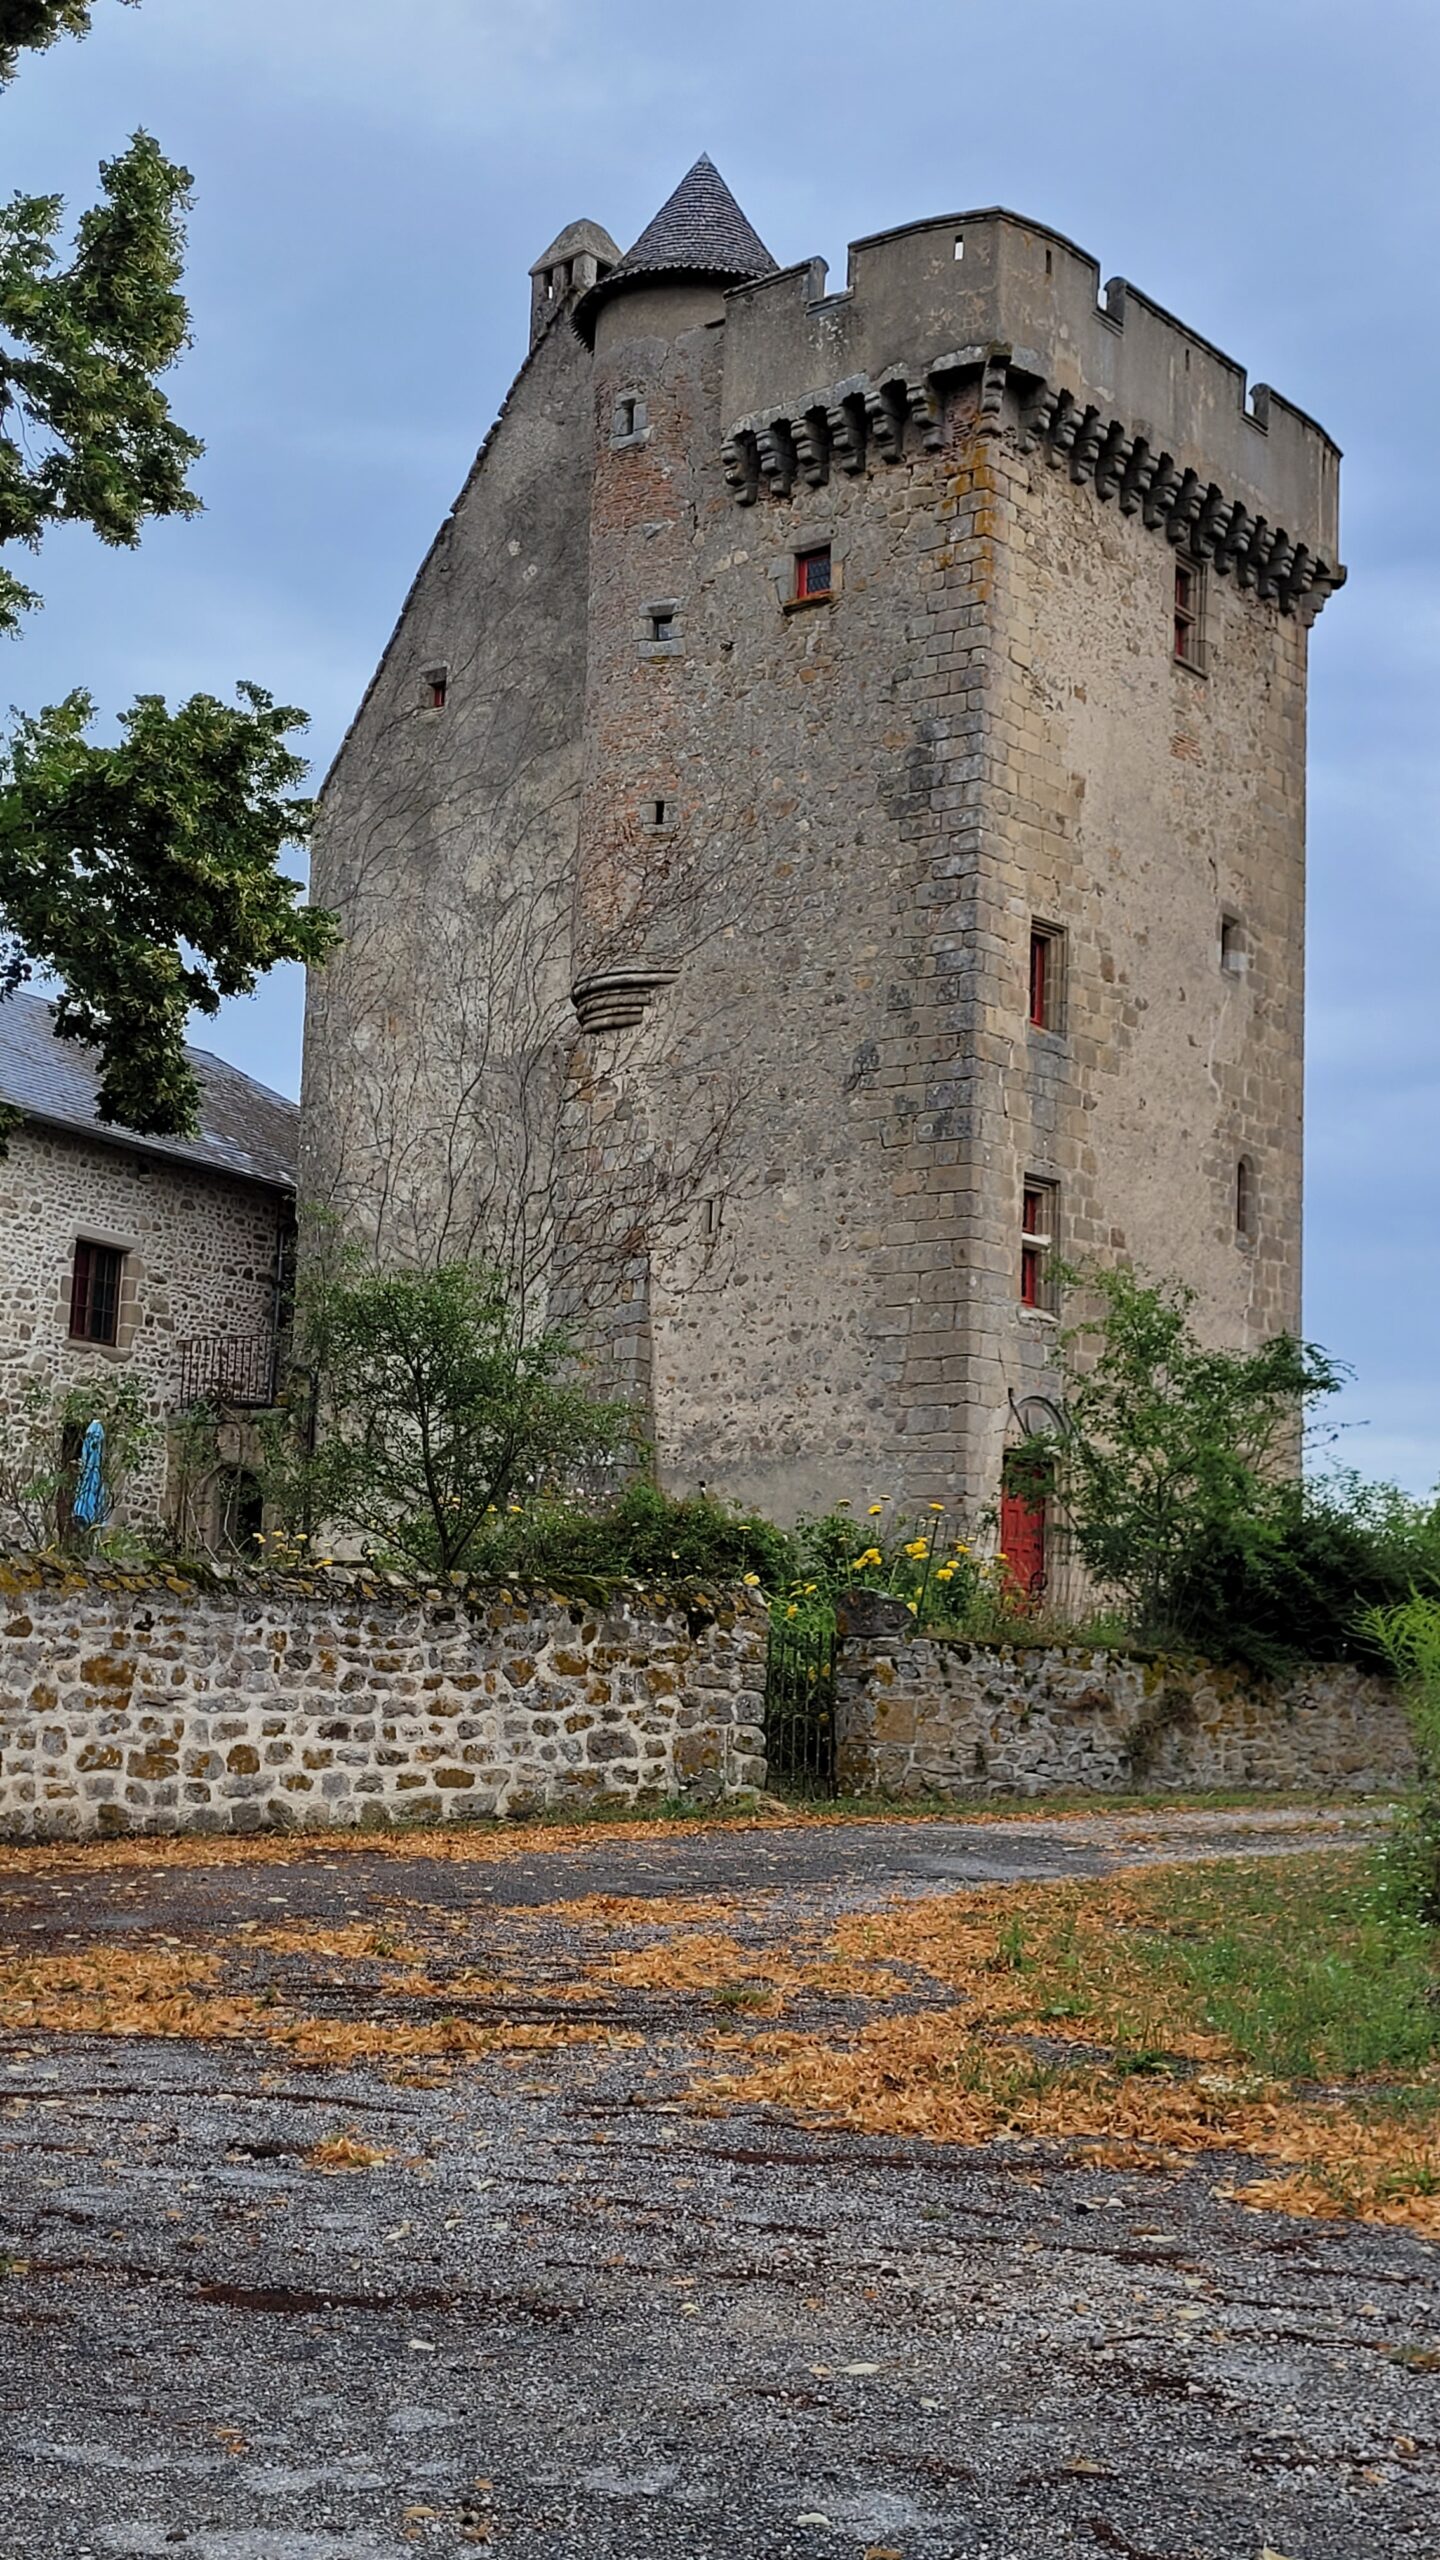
(929, 298)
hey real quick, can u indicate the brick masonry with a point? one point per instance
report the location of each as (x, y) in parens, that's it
(922, 1716)
(147, 1703)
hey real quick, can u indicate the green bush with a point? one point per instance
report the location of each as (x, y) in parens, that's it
(1302, 1583)
(1408, 1635)
(643, 1535)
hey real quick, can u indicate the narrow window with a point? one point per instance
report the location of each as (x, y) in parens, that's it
(1244, 1197)
(95, 1293)
(435, 688)
(960, 244)
(1233, 955)
(662, 624)
(812, 572)
(1049, 262)
(1189, 601)
(1046, 977)
(658, 813)
(1037, 1239)
(631, 415)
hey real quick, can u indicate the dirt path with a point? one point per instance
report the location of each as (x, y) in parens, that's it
(569, 2317)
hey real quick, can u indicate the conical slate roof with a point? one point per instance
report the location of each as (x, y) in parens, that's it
(700, 231)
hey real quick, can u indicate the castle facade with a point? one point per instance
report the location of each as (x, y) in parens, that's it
(826, 840)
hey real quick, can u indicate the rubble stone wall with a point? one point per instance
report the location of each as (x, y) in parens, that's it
(921, 1716)
(147, 1703)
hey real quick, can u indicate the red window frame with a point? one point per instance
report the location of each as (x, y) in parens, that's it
(95, 1292)
(814, 573)
(1040, 980)
(437, 687)
(1035, 1242)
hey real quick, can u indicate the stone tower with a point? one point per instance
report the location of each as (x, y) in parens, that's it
(827, 835)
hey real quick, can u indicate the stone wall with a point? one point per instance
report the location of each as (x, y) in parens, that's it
(144, 1702)
(923, 1716)
(200, 1253)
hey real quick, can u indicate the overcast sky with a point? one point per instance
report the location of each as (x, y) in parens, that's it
(373, 180)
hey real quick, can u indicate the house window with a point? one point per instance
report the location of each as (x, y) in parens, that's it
(1046, 978)
(1233, 955)
(1037, 1242)
(1244, 1197)
(435, 688)
(662, 623)
(813, 573)
(631, 416)
(1189, 613)
(659, 813)
(95, 1293)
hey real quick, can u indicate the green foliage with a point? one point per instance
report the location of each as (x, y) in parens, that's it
(435, 1409)
(31, 25)
(643, 1535)
(144, 876)
(38, 1437)
(1409, 1637)
(86, 434)
(1333, 1552)
(1300, 1967)
(1173, 1449)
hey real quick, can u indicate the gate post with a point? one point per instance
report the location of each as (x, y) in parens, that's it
(866, 1623)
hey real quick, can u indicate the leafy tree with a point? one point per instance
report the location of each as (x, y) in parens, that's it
(1171, 1446)
(435, 1409)
(145, 874)
(31, 25)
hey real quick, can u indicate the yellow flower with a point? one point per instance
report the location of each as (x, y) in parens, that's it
(918, 1547)
(937, 1506)
(946, 1573)
(751, 1581)
(808, 1587)
(794, 1610)
(875, 1510)
(960, 1550)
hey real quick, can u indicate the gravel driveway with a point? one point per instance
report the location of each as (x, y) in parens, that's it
(571, 2317)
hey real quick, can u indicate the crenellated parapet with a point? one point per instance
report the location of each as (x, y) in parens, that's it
(1114, 392)
(858, 425)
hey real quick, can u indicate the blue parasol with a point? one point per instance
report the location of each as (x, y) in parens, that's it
(89, 1503)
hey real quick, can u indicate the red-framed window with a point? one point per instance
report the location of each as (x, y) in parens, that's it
(813, 572)
(435, 688)
(95, 1293)
(1040, 981)
(1037, 1238)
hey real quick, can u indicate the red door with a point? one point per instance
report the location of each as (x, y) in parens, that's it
(1022, 1544)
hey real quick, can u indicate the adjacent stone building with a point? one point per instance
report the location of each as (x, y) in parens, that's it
(827, 834)
(163, 1259)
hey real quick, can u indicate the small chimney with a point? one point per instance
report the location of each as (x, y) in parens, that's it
(582, 255)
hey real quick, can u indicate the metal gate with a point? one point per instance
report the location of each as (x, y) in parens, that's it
(800, 1710)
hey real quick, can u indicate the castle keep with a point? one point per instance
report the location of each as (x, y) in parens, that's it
(827, 835)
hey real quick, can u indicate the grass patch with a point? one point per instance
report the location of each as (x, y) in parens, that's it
(1299, 1968)
(1267, 2010)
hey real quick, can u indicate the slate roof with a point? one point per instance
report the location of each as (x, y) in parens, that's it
(245, 1129)
(700, 231)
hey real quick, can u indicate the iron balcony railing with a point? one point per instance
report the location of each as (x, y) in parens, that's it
(228, 1368)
